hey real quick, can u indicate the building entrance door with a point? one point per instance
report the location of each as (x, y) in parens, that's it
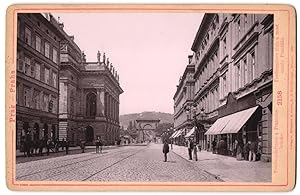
(89, 134)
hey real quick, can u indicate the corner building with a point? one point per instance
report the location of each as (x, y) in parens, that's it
(38, 44)
(183, 99)
(233, 79)
(89, 96)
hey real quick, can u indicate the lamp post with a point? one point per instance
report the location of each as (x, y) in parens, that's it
(199, 127)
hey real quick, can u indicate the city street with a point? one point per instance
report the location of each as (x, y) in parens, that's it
(128, 163)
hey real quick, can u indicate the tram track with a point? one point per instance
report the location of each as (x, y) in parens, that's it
(74, 165)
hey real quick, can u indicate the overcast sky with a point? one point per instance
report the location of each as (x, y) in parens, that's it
(149, 51)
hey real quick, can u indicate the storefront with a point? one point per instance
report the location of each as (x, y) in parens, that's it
(242, 126)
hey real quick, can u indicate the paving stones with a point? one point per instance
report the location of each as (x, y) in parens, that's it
(130, 163)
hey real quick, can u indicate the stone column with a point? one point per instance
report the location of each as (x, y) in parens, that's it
(100, 103)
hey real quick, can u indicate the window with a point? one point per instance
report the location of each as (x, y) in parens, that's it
(252, 61)
(20, 62)
(47, 71)
(245, 70)
(27, 70)
(238, 68)
(46, 103)
(54, 77)
(36, 99)
(224, 85)
(91, 105)
(47, 50)
(26, 96)
(38, 43)
(27, 36)
(54, 101)
(37, 71)
(32, 70)
(54, 57)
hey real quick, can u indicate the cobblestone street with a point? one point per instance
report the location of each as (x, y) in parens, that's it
(130, 163)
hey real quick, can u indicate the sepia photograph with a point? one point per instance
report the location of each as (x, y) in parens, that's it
(153, 96)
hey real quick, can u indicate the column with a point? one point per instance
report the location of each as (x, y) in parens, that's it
(100, 103)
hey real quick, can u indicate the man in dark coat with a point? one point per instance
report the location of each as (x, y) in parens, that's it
(190, 148)
(166, 150)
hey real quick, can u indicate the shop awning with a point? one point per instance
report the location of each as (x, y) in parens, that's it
(237, 120)
(173, 134)
(190, 133)
(179, 133)
(217, 127)
(231, 123)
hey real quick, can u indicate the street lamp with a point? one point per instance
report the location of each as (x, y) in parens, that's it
(199, 127)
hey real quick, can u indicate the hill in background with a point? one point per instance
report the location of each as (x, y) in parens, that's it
(163, 117)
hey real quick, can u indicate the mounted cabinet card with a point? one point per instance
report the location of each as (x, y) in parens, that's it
(150, 97)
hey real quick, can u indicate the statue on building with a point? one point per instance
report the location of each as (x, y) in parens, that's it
(104, 58)
(98, 56)
(83, 56)
(110, 67)
(107, 61)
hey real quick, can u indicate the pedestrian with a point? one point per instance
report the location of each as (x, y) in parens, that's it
(190, 148)
(48, 144)
(165, 150)
(63, 144)
(67, 146)
(195, 152)
(246, 150)
(238, 150)
(82, 145)
(100, 145)
(253, 151)
(171, 144)
(208, 146)
(97, 144)
(214, 144)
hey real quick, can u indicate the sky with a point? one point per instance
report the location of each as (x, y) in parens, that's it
(148, 50)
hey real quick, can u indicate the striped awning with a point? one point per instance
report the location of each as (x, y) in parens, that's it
(190, 133)
(231, 123)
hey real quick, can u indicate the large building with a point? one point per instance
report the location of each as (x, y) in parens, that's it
(38, 45)
(89, 96)
(233, 57)
(183, 99)
(59, 94)
(233, 79)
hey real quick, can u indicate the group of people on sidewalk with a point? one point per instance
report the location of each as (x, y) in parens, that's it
(193, 148)
(250, 151)
(36, 147)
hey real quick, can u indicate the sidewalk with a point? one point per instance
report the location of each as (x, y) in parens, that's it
(228, 168)
(21, 154)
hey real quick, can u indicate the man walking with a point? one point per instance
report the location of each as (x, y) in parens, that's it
(195, 152)
(166, 150)
(97, 144)
(190, 148)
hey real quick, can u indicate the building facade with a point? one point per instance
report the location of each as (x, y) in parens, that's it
(89, 97)
(38, 45)
(183, 99)
(233, 79)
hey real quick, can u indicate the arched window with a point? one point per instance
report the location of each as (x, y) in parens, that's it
(91, 105)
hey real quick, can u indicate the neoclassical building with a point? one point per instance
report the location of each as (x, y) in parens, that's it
(88, 97)
(233, 78)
